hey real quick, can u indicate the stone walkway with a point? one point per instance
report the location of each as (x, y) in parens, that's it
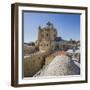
(61, 65)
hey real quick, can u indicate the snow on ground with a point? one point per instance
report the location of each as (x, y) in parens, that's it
(77, 51)
(69, 51)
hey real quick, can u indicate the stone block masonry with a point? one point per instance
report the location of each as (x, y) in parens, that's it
(33, 63)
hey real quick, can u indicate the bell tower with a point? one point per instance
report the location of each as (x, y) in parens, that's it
(46, 36)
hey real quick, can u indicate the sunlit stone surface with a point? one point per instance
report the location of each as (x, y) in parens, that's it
(61, 65)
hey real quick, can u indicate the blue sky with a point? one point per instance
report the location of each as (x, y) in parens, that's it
(67, 25)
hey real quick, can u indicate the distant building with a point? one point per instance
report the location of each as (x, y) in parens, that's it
(49, 40)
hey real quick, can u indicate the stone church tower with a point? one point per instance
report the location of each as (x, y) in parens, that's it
(46, 36)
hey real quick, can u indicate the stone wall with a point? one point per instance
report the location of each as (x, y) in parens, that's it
(33, 63)
(49, 59)
(44, 46)
(29, 49)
